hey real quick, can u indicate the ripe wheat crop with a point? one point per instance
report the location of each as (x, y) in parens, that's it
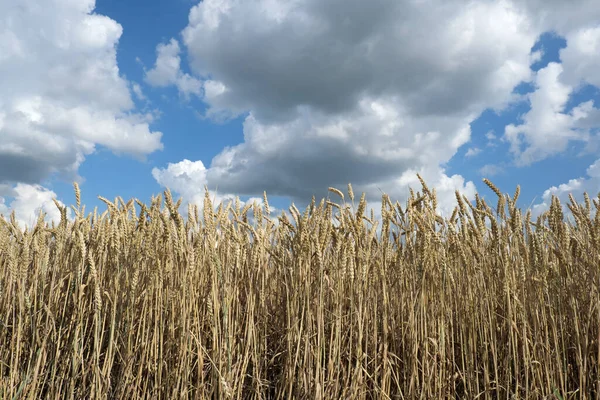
(124, 305)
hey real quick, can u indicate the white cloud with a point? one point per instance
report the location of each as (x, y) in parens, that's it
(62, 95)
(561, 16)
(371, 93)
(137, 89)
(187, 179)
(28, 201)
(342, 92)
(275, 58)
(167, 71)
(581, 57)
(61, 91)
(472, 152)
(547, 128)
(577, 186)
(537, 55)
(184, 177)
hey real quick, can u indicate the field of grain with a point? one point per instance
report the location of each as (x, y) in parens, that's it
(486, 304)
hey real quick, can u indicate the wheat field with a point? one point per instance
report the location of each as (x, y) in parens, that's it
(485, 304)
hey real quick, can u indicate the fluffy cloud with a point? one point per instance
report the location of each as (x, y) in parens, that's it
(306, 155)
(546, 130)
(576, 187)
(167, 71)
(581, 57)
(187, 178)
(28, 201)
(472, 152)
(345, 91)
(272, 57)
(340, 92)
(62, 94)
(562, 17)
(548, 127)
(69, 106)
(137, 89)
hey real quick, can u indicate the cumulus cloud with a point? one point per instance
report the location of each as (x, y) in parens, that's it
(548, 128)
(340, 92)
(345, 91)
(62, 96)
(273, 57)
(561, 17)
(187, 179)
(167, 71)
(492, 139)
(137, 89)
(581, 57)
(472, 152)
(28, 201)
(589, 184)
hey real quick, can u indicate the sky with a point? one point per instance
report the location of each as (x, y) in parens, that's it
(130, 97)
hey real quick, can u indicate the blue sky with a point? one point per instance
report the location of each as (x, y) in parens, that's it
(130, 97)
